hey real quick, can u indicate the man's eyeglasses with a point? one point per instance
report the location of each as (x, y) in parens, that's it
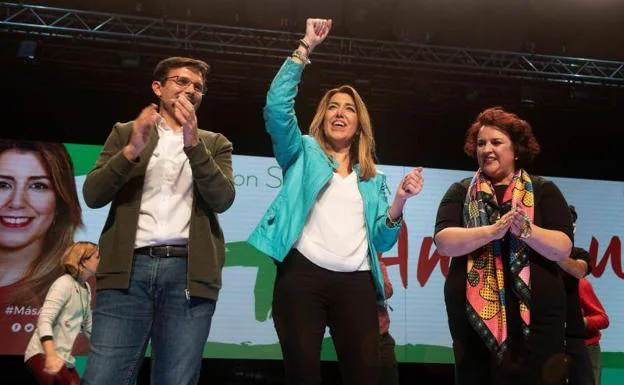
(183, 82)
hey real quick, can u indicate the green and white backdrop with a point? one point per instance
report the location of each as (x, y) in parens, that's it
(243, 328)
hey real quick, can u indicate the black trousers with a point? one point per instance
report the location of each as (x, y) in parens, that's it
(306, 300)
(389, 369)
(580, 370)
(538, 361)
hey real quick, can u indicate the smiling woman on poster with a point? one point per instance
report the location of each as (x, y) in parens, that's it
(39, 213)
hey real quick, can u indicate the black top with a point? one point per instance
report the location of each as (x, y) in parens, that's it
(547, 303)
(575, 327)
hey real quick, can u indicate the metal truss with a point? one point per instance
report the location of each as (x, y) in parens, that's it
(142, 33)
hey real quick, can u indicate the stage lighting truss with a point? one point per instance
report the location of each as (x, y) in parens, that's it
(147, 33)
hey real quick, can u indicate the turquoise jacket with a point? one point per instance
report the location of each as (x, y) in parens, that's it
(306, 169)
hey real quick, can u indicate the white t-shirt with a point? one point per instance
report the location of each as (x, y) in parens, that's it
(334, 236)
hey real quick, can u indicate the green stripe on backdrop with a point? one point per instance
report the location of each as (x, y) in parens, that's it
(405, 353)
(415, 353)
(80, 364)
(612, 360)
(83, 156)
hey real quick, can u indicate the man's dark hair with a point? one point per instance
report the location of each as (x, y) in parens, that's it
(164, 66)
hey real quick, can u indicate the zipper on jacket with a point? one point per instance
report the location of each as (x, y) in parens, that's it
(330, 161)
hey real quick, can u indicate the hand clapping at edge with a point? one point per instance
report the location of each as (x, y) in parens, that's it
(141, 131)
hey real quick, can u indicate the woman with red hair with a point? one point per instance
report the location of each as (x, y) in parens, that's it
(505, 229)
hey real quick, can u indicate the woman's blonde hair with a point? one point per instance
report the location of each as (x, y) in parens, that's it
(362, 149)
(75, 255)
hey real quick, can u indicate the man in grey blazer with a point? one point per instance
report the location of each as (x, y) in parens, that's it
(162, 248)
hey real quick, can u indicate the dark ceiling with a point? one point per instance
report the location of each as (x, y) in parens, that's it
(587, 28)
(420, 116)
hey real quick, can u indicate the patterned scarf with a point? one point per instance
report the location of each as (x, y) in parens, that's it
(485, 285)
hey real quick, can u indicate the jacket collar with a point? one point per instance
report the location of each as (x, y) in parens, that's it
(357, 169)
(334, 165)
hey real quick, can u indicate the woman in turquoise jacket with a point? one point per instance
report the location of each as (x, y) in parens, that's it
(326, 226)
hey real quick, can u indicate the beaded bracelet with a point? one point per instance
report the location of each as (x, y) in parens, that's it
(395, 222)
(305, 45)
(299, 55)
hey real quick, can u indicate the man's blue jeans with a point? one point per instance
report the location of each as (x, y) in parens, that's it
(155, 306)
